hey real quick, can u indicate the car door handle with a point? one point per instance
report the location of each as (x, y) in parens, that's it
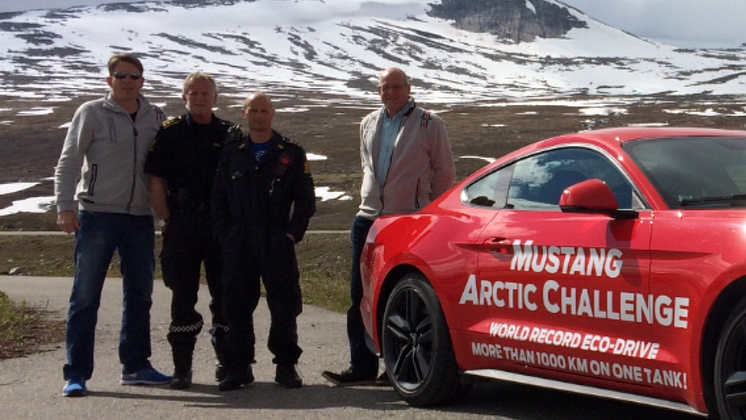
(498, 243)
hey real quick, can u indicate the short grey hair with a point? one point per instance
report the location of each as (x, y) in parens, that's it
(392, 70)
(196, 77)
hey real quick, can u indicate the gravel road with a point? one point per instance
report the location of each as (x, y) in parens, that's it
(30, 387)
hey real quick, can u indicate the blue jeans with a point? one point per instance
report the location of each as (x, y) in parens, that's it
(133, 237)
(362, 360)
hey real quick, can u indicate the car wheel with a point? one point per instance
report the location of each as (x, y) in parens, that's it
(416, 345)
(730, 366)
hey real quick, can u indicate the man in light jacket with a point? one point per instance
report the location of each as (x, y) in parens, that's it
(407, 163)
(101, 167)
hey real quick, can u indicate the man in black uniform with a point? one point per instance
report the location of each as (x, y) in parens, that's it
(262, 201)
(182, 161)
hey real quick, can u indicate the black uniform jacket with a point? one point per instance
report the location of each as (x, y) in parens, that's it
(274, 195)
(186, 155)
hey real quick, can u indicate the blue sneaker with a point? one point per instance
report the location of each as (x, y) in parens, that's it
(75, 387)
(145, 376)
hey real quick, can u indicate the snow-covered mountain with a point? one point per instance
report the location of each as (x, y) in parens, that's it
(337, 47)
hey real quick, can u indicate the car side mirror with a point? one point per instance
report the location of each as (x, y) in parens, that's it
(593, 196)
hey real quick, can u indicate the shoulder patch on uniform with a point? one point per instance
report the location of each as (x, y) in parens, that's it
(171, 121)
(307, 168)
(288, 141)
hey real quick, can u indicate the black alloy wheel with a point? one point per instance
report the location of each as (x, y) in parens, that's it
(730, 366)
(416, 345)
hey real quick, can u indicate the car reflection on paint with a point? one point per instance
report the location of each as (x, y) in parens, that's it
(610, 263)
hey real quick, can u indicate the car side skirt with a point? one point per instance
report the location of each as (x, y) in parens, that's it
(581, 389)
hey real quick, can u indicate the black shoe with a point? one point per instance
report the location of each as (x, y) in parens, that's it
(287, 377)
(235, 380)
(220, 372)
(181, 380)
(383, 380)
(350, 377)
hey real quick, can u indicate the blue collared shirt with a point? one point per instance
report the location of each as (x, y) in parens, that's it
(389, 132)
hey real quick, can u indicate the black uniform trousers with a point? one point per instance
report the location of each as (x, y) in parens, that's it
(269, 256)
(187, 244)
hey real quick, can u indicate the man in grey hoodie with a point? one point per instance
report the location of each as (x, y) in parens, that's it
(101, 167)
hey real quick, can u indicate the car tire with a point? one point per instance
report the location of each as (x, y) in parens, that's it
(730, 366)
(416, 345)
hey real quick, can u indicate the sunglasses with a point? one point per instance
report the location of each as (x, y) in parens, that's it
(120, 75)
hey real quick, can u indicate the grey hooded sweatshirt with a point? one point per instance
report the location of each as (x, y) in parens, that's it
(102, 159)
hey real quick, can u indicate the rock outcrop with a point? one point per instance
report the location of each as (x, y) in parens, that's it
(513, 20)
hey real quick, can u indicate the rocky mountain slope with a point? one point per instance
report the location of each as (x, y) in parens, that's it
(454, 50)
(512, 20)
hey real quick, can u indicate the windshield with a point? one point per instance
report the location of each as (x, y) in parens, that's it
(694, 172)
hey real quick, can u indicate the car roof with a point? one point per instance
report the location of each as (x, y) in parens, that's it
(626, 134)
(611, 138)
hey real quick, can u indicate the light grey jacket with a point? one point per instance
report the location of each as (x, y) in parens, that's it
(422, 166)
(104, 154)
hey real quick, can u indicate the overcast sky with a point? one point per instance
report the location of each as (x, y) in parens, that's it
(692, 23)
(679, 22)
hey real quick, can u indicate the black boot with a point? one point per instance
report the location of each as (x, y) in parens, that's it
(236, 378)
(221, 362)
(181, 380)
(220, 371)
(287, 377)
(182, 377)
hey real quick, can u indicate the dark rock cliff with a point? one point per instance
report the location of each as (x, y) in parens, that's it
(512, 20)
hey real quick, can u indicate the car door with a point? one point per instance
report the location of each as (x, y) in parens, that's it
(567, 291)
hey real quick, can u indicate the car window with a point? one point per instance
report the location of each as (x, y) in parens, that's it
(537, 182)
(694, 172)
(491, 190)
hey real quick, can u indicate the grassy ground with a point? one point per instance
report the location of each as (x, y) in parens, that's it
(324, 261)
(24, 330)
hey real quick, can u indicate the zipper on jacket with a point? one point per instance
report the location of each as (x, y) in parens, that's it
(92, 182)
(380, 212)
(398, 133)
(134, 168)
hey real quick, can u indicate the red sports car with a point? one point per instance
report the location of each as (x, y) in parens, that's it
(610, 263)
